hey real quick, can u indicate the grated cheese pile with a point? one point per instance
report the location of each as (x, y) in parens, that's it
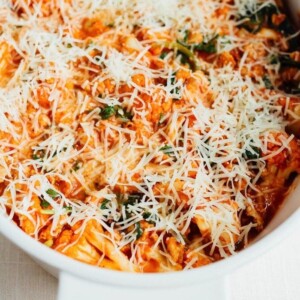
(145, 136)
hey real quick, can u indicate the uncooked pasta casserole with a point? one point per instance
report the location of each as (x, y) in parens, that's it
(151, 135)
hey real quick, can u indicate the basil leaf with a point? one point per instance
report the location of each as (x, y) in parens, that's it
(186, 35)
(133, 198)
(175, 91)
(253, 153)
(255, 21)
(104, 204)
(40, 154)
(43, 203)
(167, 150)
(147, 217)
(139, 231)
(107, 112)
(209, 46)
(117, 111)
(52, 193)
(68, 209)
(185, 52)
(163, 55)
(123, 114)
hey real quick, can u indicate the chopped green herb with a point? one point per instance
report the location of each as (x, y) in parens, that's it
(175, 91)
(225, 40)
(123, 114)
(184, 60)
(253, 22)
(138, 230)
(163, 55)
(43, 203)
(60, 151)
(187, 51)
(40, 154)
(147, 217)
(209, 46)
(274, 60)
(133, 198)
(267, 82)
(104, 204)
(263, 17)
(184, 50)
(189, 60)
(117, 111)
(186, 35)
(167, 150)
(68, 209)
(52, 193)
(107, 112)
(253, 153)
(127, 201)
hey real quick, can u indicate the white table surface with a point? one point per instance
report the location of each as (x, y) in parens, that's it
(274, 276)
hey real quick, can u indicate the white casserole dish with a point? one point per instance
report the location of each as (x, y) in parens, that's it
(81, 281)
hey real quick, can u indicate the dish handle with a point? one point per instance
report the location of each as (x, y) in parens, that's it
(75, 288)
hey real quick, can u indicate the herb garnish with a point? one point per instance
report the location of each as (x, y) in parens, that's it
(44, 203)
(147, 217)
(209, 46)
(163, 55)
(252, 153)
(254, 21)
(175, 91)
(267, 82)
(52, 193)
(104, 204)
(167, 149)
(138, 230)
(109, 111)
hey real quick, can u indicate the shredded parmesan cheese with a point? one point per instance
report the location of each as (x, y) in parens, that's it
(142, 128)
